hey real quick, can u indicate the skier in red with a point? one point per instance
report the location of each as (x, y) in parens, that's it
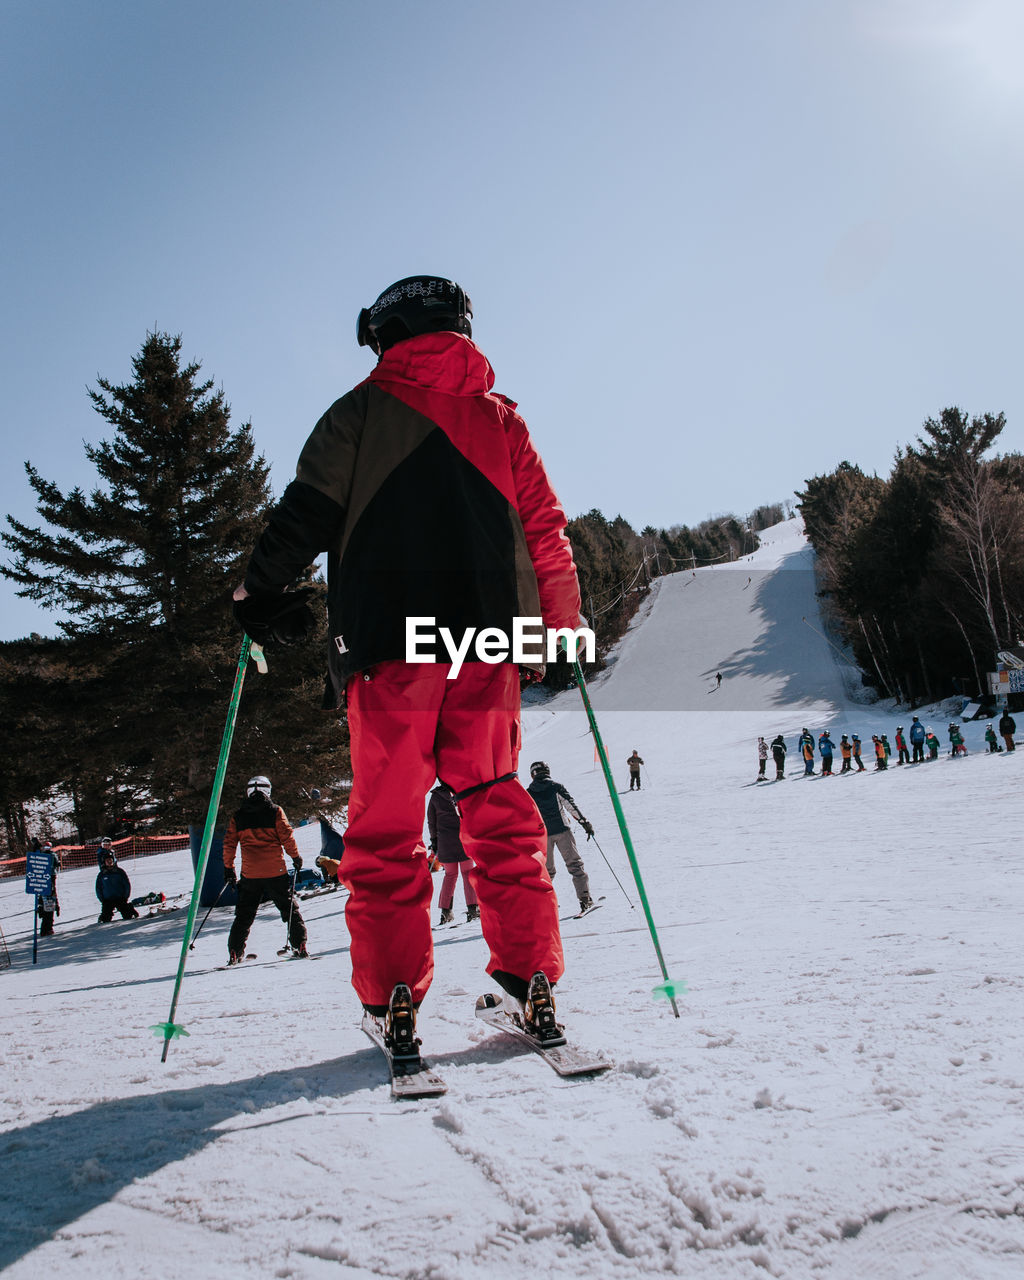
(427, 493)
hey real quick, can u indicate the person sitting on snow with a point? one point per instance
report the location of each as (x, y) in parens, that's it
(113, 888)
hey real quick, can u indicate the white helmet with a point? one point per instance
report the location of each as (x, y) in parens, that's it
(259, 783)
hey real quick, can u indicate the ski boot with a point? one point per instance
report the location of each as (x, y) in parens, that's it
(235, 957)
(539, 1012)
(585, 904)
(472, 913)
(400, 1032)
(447, 916)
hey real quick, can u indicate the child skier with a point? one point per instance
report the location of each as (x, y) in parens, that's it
(855, 745)
(901, 746)
(826, 746)
(113, 888)
(992, 740)
(932, 743)
(806, 745)
(762, 758)
(846, 751)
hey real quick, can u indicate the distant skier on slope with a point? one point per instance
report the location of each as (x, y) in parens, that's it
(265, 834)
(443, 827)
(634, 762)
(552, 799)
(901, 746)
(855, 744)
(779, 756)
(826, 747)
(1007, 727)
(917, 740)
(846, 751)
(762, 758)
(806, 745)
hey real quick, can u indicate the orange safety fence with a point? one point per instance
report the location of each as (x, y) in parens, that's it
(85, 855)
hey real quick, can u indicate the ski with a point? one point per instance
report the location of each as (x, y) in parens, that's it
(564, 1058)
(319, 893)
(274, 960)
(411, 1077)
(251, 956)
(594, 906)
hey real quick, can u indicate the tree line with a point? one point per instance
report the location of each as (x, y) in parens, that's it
(116, 722)
(923, 572)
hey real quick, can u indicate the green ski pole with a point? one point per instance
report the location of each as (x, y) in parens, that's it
(669, 989)
(170, 1029)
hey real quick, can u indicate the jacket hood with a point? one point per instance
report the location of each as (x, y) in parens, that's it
(448, 362)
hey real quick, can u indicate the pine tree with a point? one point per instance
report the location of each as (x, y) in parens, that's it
(143, 567)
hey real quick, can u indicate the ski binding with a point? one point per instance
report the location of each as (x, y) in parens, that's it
(410, 1075)
(562, 1057)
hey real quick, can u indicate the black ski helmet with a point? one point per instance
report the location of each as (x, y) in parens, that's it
(415, 305)
(539, 770)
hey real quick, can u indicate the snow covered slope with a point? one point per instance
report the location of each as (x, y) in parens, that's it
(843, 1095)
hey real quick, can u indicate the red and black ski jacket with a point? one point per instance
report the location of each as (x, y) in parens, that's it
(427, 494)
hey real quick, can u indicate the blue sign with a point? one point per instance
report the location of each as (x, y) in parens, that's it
(39, 872)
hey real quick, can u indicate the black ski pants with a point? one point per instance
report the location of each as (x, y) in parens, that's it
(108, 907)
(250, 895)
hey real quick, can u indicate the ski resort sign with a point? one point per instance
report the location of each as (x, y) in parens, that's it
(38, 872)
(1004, 682)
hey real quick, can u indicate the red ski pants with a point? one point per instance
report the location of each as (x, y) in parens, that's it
(409, 724)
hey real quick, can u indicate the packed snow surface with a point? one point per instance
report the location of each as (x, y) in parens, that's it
(842, 1095)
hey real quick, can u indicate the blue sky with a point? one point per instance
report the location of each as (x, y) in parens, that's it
(714, 247)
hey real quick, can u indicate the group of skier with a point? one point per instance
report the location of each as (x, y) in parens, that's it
(911, 748)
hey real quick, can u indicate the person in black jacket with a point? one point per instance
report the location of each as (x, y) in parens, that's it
(779, 756)
(443, 824)
(1007, 727)
(552, 799)
(113, 888)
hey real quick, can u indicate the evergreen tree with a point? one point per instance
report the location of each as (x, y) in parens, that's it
(144, 566)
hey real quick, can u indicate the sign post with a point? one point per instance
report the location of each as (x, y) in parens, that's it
(38, 880)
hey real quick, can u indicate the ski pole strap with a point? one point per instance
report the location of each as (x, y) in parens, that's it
(482, 786)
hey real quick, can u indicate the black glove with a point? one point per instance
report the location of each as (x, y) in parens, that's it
(229, 877)
(297, 862)
(587, 827)
(282, 616)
